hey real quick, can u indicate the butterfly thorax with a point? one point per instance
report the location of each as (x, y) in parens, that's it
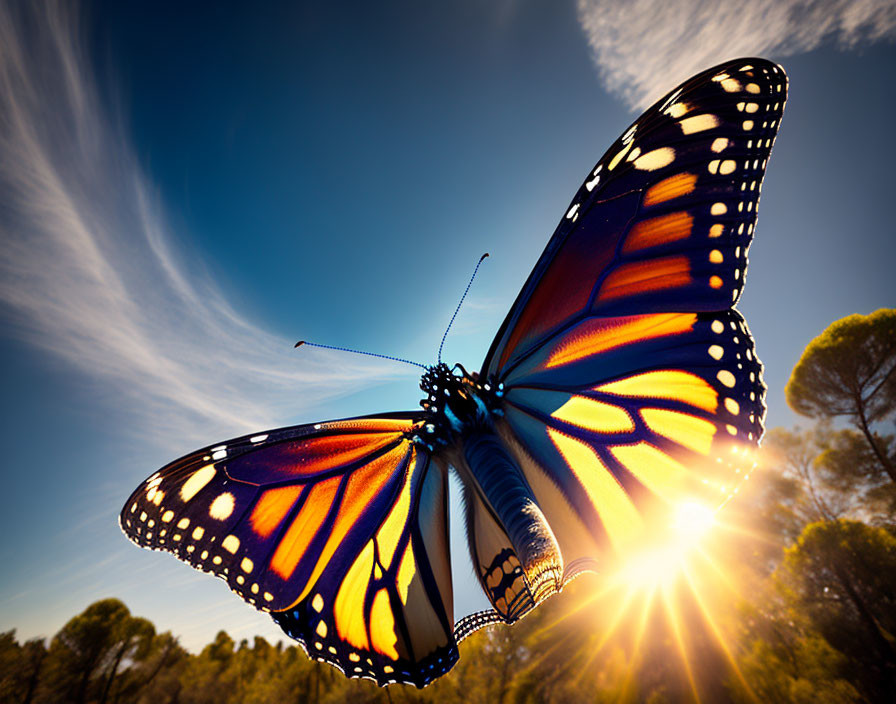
(456, 402)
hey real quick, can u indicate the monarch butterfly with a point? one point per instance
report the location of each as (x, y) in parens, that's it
(621, 384)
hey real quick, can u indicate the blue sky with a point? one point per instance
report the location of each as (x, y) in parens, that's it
(184, 193)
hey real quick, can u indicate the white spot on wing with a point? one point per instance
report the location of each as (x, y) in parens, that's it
(222, 506)
(196, 482)
(677, 110)
(656, 159)
(619, 156)
(731, 85)
(727, 378)
(698, 123)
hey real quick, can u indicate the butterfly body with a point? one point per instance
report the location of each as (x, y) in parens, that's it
(622, 387)
(460, 414)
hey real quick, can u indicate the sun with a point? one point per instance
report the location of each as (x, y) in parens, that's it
(679, 589)
(692, 521)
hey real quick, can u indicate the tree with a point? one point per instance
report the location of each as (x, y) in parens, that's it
(158, 677)
(821, 474)
(794, 454)
(20, 668)
(134, 638)
(86, 654)
(841, 576)
(850, 470)
(797, 667)
(849, 371)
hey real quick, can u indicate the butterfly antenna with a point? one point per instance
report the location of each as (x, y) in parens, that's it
(460, 303)
(369, 354)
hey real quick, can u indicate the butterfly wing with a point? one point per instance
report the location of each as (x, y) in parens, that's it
(630, 386)
(495, 562)
(337, 529)
(663, 414)
(664, 220)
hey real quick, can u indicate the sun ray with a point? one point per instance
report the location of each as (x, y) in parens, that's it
(569, 612)
(674, 619)
(720, 638)
(709, 562)
(611, 629)
(640, 632)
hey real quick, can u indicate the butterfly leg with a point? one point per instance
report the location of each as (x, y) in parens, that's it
(507, 493)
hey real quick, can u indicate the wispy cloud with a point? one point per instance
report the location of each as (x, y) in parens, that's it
(644, 47)
(89, 271)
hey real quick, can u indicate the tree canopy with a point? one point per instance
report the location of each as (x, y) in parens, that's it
(850, 371)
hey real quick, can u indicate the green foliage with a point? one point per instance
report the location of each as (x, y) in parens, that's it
(841, 575)
(849, 367)
(21, 667)
(805, 671)
(799, 637)
(849, 466)
(85, 656)
(804, 490)
(850, 371)
(822, 474)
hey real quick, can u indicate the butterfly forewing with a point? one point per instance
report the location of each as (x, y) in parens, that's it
(338, 529)
(664, 221)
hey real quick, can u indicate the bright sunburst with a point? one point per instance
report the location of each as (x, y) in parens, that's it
(673, 600)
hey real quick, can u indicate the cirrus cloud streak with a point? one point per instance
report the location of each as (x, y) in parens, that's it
(89, 270)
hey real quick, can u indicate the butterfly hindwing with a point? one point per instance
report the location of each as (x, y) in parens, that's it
(673, 424)
(495, 562)
(338, 529)
(664, 221)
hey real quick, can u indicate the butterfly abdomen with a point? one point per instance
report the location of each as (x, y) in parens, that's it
(507, 493)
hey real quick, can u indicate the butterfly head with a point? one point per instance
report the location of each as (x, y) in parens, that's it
(455, 401)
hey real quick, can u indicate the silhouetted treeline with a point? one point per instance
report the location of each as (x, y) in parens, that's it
(791, 599)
